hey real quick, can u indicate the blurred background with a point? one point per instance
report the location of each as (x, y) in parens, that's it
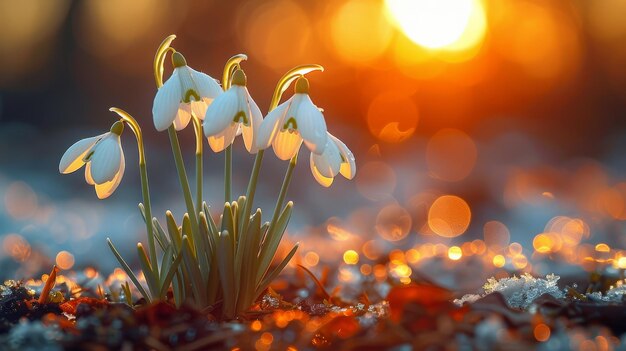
(487, 131)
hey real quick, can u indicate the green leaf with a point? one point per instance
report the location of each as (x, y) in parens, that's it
(225, 266)
(166, 262)
(151, 277)
(203, 248)
(160, 234)
(155, 232)
(227, 219)
(167, 280)
(129, 271)
(173, 231)
(272, 240)
(248, 259)
(128, 295)
(270, 277)
(194, 273)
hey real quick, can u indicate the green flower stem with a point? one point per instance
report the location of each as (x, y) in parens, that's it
(229, 68)
(145, 191)
(254, 176)
(283, 192)
(184, 183)
(197, 126)
(228, 172)
(283, 84)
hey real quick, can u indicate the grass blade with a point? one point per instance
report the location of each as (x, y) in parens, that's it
(128, 271)
(152, 277)
(270, 277)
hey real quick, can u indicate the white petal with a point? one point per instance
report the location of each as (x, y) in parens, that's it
(105, 162)
(105, 190)
(324, 181)
(72, 159)
(183, 116)
(348, 166)
(328, 163)
(206, 86)
(286, 144)
(220, 114)
(272, 124)
(166, 102)
(223, 139)
(311, 125)
(199, 107)
(88, 177)
(251, 133)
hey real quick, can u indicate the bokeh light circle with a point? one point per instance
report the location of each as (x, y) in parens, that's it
(359, 33)
(449, 216)
(451, 155)
(393, 222)
(392, 117)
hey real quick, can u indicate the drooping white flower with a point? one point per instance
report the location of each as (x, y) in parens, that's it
(103, 158)
(231, 112)
(187, 91)
(336, 158)
(292, 122)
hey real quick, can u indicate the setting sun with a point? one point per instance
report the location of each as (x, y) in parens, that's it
(453, 25)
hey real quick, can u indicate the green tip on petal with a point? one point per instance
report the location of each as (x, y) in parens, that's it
(239, 78)
(117, 128)
(178, 60)
(302, 86)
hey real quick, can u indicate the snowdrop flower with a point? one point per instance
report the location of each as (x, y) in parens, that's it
(336, 158)
(103, 158)
(292, 122)
(187, 91)
(231, 113)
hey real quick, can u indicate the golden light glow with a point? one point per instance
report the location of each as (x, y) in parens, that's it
(499, 261)
(543, 243)
(453, 25)
(351, 257)
(455, 253)
(449, 216)
(621, 263)
(359, 33)
(602, 247)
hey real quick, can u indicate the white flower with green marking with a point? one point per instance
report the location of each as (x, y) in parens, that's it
(336, 159)
(103, 158)
(292, 122)
(187, 91)
(232, 112)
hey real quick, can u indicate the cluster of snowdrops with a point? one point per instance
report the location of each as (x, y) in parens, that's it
(224, 262)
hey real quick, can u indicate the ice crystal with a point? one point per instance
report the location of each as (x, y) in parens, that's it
(518, 292)
(614, 294)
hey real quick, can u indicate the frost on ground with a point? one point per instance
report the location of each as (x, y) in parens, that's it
(614, 294)
(518, 292)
